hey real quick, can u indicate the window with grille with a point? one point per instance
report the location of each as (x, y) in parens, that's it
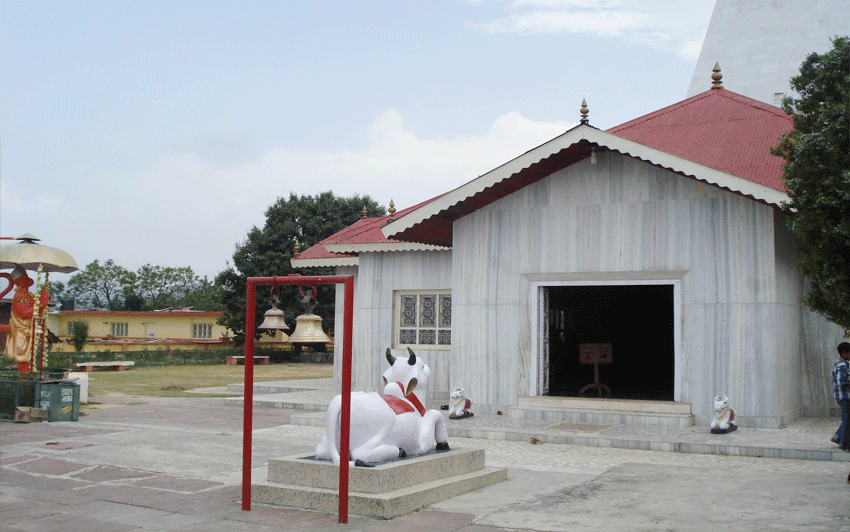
(118, 329)
(423, 319)
(202, 330)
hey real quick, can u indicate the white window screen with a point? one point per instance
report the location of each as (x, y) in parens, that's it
(423, 319)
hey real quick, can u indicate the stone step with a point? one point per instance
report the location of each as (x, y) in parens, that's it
(388, 490)
(316, 419)
(603, 411)
(406, 473)
(591, 404)
(284, 400)
(269, 387)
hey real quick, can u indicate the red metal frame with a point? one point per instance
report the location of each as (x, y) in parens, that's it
(247, 419)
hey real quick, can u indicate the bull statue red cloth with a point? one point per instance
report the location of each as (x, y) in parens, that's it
(389, 426)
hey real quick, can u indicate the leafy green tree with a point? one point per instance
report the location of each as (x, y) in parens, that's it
(57, 290)
(162, 287)
(205, 295)
(79, 334)
(266, 252)
(817, 175)
(151, 287)
(100, 285)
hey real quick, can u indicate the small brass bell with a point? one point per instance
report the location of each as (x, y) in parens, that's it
(273, 320)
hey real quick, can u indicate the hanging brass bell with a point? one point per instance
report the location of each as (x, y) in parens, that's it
(308, 330)
(273, 320)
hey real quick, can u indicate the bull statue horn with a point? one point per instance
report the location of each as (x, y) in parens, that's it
(412, 358)
(390, 357)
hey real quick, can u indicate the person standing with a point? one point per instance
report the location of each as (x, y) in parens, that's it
(841, 390)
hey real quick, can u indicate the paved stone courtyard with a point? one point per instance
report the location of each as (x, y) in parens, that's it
(175, 464)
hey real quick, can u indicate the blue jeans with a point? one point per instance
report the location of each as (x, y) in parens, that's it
(843, 433)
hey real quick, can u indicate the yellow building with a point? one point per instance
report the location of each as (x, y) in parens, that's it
(138, 330)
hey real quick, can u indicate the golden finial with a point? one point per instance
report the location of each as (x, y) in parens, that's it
(365, 212)
(716, 77)
(391, 210)
(296, 250)
(584, 111)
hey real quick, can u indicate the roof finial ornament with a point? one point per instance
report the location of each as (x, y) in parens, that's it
(391, 210)
(716, 77)
(584, 111)
(365, 212)
(296, 249)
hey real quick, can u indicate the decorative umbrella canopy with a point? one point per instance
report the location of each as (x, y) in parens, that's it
(29, 255)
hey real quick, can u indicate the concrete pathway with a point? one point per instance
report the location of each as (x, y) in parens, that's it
(175, 464)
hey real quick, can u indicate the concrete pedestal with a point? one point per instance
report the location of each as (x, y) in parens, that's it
(384, 491)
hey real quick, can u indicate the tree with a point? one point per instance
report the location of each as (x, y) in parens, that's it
(205, 295)
(57, 290)
(266, 252)
(161, 287)
(79, 334)
(100, 285)
(817, 175)
(151, 287)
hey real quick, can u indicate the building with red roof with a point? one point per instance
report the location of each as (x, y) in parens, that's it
(657, 249)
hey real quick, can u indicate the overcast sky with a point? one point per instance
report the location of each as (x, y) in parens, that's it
(160, 131)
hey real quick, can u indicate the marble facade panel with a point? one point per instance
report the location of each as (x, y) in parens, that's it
(379, 275)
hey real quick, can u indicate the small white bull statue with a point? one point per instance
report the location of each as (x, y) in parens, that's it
(389, 426)
(459, 406)
(724, 417)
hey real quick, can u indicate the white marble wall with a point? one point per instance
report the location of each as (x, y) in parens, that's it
(760, 44)
(378, 276)
(738, 320)
(339, 316)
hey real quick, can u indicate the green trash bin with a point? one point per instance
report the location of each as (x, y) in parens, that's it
(60, 399)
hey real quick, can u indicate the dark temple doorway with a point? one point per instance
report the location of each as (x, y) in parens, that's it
(638, 322)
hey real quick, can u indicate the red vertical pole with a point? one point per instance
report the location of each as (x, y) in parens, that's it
(248, 413)
(345, 414)
(345, 421)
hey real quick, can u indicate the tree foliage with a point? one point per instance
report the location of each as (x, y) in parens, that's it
(113, 287)
(100, 285)
(817, 175)
(79, 334)
(266, 252)
(161, 287)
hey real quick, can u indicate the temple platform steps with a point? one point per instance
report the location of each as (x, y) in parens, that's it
(603, 411)
(546, 422)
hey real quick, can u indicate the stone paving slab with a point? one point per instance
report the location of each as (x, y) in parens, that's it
(549, 486)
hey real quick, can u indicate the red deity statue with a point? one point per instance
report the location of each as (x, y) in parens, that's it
(19, 342)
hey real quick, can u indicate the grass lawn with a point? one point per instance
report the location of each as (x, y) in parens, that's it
(173, 381)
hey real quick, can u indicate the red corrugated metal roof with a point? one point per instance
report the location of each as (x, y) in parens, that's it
(363, 231)
(719, 129)
(317, 252)
(368, 230)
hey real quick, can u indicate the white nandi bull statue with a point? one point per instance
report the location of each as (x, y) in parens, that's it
(724, 417)
(388, 426)
(459, 406)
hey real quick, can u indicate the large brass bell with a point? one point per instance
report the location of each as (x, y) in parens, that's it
(308, 326)
(308, 330)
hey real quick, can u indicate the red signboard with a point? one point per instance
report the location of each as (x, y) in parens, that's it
(595, 353)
